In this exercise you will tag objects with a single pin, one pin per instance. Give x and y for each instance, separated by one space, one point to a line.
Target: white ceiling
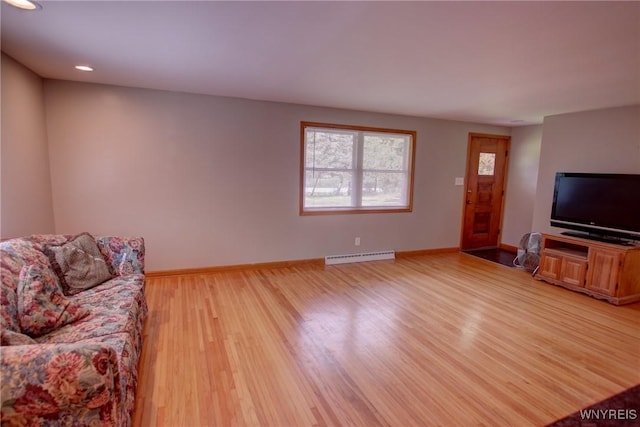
507 63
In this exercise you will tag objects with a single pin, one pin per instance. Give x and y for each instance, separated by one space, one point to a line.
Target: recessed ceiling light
84 68
24 4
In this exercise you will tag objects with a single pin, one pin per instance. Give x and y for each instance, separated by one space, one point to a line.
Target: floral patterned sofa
70 352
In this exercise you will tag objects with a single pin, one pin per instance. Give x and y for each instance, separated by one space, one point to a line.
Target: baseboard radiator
367 256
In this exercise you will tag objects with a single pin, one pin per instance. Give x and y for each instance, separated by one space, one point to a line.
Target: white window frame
357 170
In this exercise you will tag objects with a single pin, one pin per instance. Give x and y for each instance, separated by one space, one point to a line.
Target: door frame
466 183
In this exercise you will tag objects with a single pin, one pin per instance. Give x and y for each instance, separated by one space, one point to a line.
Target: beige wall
602 141
520 196
25 202
214 181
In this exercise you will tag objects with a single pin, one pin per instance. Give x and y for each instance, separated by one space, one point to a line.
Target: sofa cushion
138 280
78 264
112 310
42 307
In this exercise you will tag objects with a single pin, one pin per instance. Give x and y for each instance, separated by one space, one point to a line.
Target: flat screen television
599 206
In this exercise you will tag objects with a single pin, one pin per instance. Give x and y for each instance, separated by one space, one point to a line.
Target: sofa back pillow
124 255
78 264
42 308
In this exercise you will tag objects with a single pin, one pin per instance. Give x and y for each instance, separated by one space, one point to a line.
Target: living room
212 181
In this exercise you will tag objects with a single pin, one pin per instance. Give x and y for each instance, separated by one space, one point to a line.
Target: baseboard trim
421 252
283 264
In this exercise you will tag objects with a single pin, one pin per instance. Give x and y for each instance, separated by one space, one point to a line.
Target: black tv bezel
592 230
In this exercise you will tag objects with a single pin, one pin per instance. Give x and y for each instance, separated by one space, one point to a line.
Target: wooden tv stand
602 270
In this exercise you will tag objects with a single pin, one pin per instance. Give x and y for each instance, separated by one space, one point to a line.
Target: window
352 169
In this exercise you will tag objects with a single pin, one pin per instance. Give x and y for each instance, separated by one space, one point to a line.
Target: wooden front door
484 190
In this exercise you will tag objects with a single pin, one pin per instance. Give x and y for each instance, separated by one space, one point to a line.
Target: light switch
459 180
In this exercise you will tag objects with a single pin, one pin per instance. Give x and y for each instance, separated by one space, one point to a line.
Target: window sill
352 211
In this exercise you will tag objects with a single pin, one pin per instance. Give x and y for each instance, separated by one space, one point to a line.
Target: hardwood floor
433 340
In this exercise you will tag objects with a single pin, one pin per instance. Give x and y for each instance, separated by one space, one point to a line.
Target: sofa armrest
60 382
124 255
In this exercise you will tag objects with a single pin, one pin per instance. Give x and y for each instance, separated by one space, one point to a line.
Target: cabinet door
550 266
604 270
573 271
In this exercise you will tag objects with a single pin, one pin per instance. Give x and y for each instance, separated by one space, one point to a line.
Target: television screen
597 201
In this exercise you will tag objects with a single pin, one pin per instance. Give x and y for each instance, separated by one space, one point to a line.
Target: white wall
522 179
602 141
214 181
25 201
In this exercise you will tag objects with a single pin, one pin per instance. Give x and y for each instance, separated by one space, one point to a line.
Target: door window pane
487 164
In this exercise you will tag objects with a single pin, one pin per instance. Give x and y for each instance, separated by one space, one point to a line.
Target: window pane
328 189
385 152
328 149
487 164
381 189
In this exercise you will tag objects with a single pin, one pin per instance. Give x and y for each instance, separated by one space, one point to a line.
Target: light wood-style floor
443 339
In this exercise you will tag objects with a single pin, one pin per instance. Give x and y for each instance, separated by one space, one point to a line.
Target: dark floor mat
500 256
